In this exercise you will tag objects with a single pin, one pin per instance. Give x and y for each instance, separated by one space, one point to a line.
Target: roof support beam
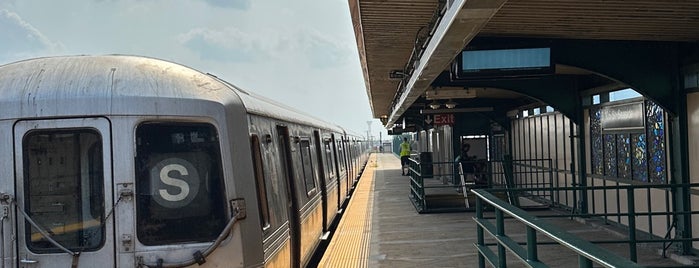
650 68
462 21
559 92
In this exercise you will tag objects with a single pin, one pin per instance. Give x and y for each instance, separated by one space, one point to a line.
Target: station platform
381 228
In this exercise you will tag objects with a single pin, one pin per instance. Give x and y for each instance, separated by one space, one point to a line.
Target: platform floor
381 228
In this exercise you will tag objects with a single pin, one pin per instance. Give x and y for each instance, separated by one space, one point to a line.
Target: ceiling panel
386 29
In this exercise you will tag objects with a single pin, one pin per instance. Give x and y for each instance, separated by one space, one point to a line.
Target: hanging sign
443 119
623 117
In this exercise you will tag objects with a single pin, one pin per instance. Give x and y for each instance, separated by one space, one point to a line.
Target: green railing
449 189
587 252
442 193
417 186
629 214
615 203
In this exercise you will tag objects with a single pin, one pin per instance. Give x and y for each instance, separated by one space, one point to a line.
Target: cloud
236 4
302 46
227 45
324 52
21 38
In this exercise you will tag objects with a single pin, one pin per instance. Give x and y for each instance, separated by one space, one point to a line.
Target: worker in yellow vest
404 155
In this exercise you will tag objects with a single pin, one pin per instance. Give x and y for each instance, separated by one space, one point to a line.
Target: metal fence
445 186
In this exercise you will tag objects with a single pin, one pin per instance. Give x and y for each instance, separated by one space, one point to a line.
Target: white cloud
323 51
236 4
21 38
229 44
307 47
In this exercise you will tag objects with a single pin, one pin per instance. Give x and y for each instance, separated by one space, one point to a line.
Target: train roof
124 85
260 105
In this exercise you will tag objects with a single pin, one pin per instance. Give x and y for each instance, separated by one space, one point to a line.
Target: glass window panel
656 142
624 156
640 165
597 142
179 183
596 99
307 166
623 94
262 204
329 159
610 163
63 186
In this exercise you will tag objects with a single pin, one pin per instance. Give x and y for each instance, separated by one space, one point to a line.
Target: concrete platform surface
381 228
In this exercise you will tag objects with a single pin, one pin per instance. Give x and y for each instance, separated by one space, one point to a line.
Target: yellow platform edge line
349 246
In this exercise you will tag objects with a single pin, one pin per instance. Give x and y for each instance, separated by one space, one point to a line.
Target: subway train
126 161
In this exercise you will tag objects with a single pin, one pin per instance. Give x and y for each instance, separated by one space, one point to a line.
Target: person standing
404 155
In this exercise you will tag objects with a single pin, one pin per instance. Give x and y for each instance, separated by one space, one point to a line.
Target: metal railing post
588 253
584 262
479 232
500 231
532 253
632 223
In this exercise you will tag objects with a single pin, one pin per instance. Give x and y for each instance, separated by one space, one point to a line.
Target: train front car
126 162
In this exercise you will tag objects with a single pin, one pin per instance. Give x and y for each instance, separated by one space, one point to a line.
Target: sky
302 53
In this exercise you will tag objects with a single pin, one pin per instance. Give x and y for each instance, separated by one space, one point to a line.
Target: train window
307 166
260 181
179 183
329 159
63 188
341 153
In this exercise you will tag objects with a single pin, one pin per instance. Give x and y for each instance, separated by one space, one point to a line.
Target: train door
292 202
64 193
350 169
323 178
336 158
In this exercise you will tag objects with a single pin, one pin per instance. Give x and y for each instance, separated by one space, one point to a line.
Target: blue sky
302 53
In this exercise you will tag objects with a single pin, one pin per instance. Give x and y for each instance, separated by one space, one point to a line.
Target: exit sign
443 119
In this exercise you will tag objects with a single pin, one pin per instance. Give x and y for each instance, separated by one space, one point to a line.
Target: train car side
135 162
300 157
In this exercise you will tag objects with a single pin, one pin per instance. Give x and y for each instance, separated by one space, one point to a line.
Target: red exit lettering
443 119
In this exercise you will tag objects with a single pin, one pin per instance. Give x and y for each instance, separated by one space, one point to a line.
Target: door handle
28 261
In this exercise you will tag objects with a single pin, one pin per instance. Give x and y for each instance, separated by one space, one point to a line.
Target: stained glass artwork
596 149
631 155
640 166
610 162
655 127
623 156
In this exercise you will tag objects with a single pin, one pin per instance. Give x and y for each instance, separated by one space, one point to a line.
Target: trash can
426 165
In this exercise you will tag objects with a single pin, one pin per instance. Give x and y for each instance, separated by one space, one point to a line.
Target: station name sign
623 117
511 62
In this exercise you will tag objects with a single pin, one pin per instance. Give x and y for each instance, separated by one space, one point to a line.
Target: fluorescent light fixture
434 105
450 104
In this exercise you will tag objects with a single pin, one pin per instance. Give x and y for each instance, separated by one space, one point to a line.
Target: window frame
27 188
307 141
260 184
216 199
